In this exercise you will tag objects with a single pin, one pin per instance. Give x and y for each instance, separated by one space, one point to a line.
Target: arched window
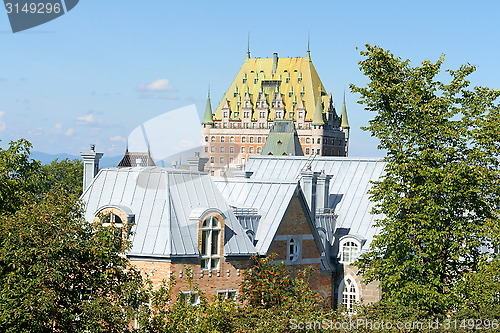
119 219
308 140
210 243
206 139
293 249
212 138
350 251
231 139
349 293
259 150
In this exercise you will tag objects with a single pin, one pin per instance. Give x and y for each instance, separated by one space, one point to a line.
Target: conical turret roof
207 118
318 112
343 116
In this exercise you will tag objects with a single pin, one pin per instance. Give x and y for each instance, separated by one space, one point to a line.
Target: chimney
197 163
309 184
322 192
90 165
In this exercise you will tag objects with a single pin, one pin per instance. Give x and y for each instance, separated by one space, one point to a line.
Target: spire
248 46
308 51
343 116
207 118
318 112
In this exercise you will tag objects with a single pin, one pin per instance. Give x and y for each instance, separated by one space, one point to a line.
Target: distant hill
105 162
112 161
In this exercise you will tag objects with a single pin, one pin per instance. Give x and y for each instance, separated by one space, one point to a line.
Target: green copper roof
318 112
282 140
343 116
207 118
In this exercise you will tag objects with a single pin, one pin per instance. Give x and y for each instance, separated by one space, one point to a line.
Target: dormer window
119 219
210 243
350 250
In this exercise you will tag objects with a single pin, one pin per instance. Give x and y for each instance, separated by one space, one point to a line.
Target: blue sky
96 73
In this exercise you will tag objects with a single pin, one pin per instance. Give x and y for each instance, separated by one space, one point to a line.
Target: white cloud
3 126
157 85
118 138
88 119
69 132
58 126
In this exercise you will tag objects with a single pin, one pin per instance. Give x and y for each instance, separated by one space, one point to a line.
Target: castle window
251 139
301 94
116 219
222 139
259 150
212 173
243 150
228 294
319 140
206 149
191 297
308 140
213 139
318 151
221 160
212 149
206 139
212 159
250 150
231 160
307 151
293 249
236 114
300 126
287 80
340 142
349 294
301 114
243 139
259 139
210 243
222 149
231 150
290 94
231 139
350 251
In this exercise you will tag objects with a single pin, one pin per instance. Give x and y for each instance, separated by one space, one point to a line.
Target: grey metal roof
163 200
271 198
348 192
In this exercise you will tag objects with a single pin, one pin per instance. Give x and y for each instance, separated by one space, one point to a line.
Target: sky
94 74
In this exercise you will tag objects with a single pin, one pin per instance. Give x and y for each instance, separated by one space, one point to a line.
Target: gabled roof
282 140
166 204
134 159
271 198
348 192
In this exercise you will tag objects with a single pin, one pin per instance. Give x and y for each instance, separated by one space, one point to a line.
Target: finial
209 91
92 148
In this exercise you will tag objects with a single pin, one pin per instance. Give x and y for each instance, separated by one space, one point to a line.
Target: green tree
440 194
20 176
59 273
65 174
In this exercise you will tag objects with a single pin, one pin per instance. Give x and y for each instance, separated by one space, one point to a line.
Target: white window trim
298 246
210 256
225 293
341 249
341 291
187 296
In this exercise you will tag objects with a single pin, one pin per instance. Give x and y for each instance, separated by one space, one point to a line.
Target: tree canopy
58 272
439 197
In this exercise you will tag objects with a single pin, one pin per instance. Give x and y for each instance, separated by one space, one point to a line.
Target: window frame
293 256
209 253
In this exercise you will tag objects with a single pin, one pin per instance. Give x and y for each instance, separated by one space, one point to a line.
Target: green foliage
19 176
65 174
59 273
168 315
440 194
